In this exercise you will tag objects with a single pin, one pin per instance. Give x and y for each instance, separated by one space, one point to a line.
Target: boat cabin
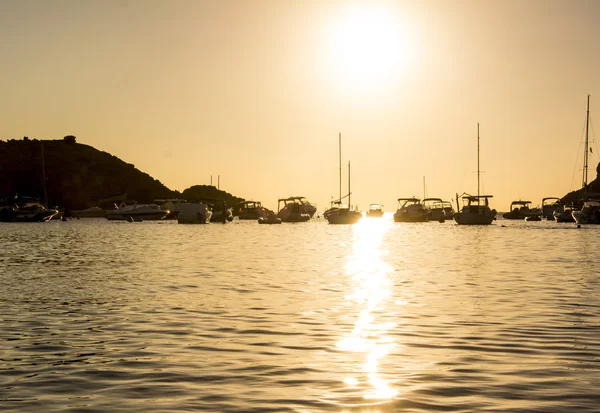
404 203
473 203
519 205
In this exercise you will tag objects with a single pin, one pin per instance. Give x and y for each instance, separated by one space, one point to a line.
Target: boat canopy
375 206
291 199
413 199
432 199
442 204
523 203
475 199
251 204
551 198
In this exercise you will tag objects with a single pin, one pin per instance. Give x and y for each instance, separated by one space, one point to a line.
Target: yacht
340 213
565 214
521 210
293 210
194 213
550 205
30 211
433 208
589 214
343 213
252 210
411 210
92 212
375 211
446 206
576 213
476 208
136 212
475 211
307 207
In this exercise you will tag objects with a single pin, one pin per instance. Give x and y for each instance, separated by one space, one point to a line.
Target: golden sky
257 91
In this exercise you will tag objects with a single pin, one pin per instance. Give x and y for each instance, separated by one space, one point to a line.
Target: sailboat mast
349 203
340 159
477 160
44 176
585 158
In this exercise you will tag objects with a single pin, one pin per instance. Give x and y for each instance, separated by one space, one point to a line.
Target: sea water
99 316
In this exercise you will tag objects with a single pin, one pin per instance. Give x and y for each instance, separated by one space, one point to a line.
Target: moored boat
588 214
521 210
293 210
27 212
92 212
446 207
476 209
151 212
339 213
375 211
194 213
251 210
411 210
433 208
565 214
550 205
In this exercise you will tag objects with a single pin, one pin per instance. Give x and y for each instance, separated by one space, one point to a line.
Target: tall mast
340 158
477 159
424 190
349 204
44 176
585 158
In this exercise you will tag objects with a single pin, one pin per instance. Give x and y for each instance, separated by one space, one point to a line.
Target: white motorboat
136 212
194 214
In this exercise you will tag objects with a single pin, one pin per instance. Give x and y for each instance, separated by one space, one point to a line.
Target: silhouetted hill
209 192
77 176
593 189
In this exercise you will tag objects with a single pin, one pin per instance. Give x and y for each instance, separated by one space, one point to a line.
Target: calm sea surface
98 316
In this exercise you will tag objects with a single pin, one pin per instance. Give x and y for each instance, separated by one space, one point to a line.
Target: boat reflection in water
372 291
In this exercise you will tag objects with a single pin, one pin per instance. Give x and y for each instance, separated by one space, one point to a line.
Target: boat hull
343 217
146 216
466 218
24 215
405 217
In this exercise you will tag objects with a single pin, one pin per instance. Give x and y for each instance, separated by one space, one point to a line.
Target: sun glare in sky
368 46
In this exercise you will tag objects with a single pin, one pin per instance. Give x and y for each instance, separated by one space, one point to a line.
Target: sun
367 45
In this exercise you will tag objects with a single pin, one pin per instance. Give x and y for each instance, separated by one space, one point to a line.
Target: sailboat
476 209
26 209
344 213
340 213
590 212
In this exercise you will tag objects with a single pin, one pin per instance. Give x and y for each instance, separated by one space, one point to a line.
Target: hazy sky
257 91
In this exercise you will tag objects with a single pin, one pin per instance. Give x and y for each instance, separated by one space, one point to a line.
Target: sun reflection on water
372 288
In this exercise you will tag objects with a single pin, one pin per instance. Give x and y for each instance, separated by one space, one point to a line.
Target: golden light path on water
371 293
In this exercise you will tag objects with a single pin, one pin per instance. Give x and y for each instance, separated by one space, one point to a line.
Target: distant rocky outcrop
77 176
593 189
